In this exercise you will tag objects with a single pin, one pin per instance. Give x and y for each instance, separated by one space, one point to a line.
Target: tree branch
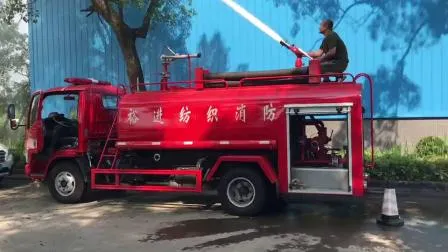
103 9
366 17
399 68
90 10
344 13
120 10
411 41
142 31
346 10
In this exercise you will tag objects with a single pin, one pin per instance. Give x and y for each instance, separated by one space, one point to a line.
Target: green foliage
174 12
135 3
14 84
169 11
431 146
18 150
24 10
397 165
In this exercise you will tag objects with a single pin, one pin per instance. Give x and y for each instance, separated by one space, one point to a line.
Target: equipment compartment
319 148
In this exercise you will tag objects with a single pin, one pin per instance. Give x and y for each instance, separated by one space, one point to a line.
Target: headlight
31 143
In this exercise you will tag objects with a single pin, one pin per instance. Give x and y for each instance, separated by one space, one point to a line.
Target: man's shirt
333 40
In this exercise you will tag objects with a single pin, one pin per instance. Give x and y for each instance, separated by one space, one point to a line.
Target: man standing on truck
332 52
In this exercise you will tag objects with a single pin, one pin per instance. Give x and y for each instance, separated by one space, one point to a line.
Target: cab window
33 110
65 105
110 101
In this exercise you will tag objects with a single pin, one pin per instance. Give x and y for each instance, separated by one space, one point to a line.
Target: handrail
295 77
370 80
175 83
241 82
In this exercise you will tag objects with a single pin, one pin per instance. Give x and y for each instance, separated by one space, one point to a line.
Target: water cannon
165 58
168 59
176 56
292 48
297 51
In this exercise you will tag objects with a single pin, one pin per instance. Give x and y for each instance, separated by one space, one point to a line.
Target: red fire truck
255 137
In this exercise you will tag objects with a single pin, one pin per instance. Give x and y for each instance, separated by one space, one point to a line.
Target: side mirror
13 124
11 112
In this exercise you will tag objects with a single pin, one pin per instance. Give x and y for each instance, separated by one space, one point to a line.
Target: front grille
2 156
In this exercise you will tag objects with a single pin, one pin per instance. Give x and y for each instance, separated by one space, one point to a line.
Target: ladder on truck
111 155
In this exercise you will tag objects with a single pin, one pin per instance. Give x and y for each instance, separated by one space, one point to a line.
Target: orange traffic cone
389 213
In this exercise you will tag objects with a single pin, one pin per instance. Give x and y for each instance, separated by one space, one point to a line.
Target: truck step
152 188
167 187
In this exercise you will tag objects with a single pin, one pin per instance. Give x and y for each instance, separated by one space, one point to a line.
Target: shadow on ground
173 222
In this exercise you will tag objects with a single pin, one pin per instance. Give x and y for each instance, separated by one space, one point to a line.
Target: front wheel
242 192
66 183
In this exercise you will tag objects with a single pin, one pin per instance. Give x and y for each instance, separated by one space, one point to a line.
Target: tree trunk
132 59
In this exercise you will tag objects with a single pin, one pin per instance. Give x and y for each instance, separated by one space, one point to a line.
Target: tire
74 188
247 178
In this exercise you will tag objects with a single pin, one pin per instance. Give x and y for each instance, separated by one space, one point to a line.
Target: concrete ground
31 221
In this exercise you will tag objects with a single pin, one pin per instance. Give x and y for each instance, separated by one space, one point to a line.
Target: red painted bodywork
264 164
201 118
94 122
227 132
226 101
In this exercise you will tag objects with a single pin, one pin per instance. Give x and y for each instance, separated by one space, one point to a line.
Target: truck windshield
64 104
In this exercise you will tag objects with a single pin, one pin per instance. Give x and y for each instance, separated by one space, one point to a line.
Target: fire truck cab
255 137
61 125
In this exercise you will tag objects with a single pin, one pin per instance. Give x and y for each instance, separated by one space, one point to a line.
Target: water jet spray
266 29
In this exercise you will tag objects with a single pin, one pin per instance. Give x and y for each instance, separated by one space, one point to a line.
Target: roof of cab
83 84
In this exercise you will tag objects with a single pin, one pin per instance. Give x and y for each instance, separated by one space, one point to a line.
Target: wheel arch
260 163
80 161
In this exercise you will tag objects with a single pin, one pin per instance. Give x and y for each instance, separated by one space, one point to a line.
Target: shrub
431 146
18 152
396 165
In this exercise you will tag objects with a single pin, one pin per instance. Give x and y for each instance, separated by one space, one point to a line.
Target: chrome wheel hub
241 192
65 183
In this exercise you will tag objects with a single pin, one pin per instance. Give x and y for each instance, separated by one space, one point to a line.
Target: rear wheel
242 192
66 183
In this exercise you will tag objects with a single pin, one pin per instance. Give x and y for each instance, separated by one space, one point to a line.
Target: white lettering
269 112
132 117
184 115
240 114
158 115
212 114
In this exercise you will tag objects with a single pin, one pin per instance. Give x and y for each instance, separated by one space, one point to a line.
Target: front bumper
6 166
5 169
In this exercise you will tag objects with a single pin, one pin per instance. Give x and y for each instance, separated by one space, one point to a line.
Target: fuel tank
254 113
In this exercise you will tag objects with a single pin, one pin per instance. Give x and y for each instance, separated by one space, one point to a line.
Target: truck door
33 135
